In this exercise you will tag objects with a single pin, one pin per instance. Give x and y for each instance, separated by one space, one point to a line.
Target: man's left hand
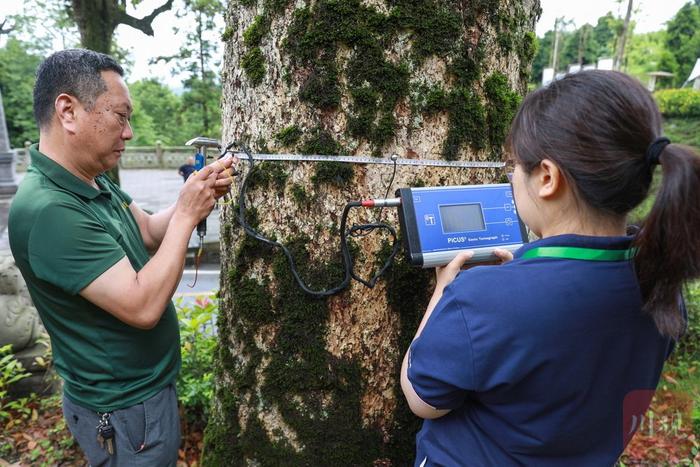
225 177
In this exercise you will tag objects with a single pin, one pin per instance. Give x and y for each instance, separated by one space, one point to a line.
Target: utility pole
555 49
619 56
584 32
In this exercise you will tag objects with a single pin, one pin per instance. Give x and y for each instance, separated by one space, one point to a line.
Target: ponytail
669 242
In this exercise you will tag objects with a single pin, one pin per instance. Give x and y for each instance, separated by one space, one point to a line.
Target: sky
650 15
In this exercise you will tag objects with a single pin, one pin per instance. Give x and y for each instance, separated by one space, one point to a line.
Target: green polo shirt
63 235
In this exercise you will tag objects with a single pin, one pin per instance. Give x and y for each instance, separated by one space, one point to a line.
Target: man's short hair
76 72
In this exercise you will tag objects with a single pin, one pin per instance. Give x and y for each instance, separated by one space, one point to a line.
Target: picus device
439 222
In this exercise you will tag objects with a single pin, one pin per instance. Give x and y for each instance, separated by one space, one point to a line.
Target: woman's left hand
447 273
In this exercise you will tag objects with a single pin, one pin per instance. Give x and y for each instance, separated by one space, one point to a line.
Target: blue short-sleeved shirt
535 358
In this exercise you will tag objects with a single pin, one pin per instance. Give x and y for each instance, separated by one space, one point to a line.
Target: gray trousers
146 434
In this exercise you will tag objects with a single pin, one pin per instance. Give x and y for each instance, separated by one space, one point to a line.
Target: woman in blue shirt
552 357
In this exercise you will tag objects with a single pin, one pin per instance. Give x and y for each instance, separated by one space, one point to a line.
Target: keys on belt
105 433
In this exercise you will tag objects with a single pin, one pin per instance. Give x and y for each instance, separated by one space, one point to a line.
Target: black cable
347 257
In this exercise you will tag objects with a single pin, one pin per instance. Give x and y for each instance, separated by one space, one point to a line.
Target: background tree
162 112
580 47
18 64
543 56
201 100
605 34
305 381
97 21
683 39
646 53
624 32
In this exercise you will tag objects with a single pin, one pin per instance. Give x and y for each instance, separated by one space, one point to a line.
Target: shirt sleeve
440 365
69 248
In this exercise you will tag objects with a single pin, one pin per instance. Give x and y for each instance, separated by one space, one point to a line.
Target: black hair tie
655 149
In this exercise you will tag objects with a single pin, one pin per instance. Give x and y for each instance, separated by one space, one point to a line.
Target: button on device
507 206
429 219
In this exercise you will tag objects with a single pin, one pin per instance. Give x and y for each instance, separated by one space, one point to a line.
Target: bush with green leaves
689 346
11 371
678 102
195 384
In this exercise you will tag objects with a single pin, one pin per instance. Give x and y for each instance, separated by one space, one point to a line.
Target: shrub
195 384
678 102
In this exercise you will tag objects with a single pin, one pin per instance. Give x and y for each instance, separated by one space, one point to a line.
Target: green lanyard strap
585 254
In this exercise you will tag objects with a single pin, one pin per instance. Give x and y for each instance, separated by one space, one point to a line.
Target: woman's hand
447 273
503 255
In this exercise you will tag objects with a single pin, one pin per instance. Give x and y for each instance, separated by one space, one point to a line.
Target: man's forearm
158 280
158 224
139 298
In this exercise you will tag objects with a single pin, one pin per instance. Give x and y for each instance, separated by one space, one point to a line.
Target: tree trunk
303 381
620 53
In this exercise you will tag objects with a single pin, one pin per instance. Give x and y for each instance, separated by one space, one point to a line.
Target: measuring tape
372 160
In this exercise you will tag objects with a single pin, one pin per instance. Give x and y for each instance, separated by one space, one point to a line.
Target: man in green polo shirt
83 246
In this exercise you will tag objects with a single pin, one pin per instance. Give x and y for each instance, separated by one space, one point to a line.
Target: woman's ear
550 179
66 107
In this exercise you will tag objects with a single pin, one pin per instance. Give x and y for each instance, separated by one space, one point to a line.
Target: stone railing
135 157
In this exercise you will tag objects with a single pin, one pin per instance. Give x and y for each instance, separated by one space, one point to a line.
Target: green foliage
253 63
11 371
683 39
683 131
18 63
289 136
678 102
646 53
585 45
195 384
689 346
195 58
157 114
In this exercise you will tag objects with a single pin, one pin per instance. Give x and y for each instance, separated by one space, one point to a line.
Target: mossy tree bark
302 381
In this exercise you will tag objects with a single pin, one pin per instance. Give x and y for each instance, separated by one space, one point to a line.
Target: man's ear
550 179
66 107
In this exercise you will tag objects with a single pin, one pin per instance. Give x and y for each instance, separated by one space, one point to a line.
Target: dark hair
596 127
75 72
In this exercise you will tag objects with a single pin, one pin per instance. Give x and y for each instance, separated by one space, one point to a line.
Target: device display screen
462 218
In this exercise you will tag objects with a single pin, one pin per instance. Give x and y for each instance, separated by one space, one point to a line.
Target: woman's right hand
503 255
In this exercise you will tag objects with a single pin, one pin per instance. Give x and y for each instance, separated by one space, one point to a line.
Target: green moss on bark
288 136
253 63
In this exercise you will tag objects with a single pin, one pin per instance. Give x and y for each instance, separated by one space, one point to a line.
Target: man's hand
225 178
202 189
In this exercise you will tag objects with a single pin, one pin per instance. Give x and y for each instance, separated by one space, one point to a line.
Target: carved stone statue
21 327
